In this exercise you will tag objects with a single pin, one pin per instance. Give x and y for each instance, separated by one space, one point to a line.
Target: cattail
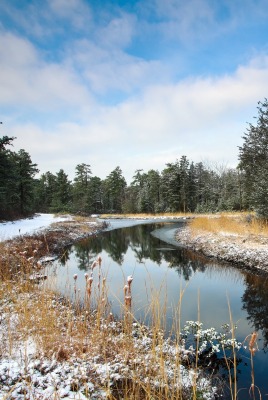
75 277
89 281
252 343
94 264
86 276
99 260
128 301
125 290
129 281
88 290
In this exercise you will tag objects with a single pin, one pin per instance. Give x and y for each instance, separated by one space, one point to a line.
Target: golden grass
64 331
234 223
147 215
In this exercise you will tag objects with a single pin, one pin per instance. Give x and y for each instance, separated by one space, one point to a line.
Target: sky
134 84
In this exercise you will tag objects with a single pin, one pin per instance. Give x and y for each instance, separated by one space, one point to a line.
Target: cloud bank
135 86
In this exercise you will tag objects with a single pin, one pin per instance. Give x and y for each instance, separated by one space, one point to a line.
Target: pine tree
253 156
25 171
8 192
114 191
81 187
95 195
44 190
62 196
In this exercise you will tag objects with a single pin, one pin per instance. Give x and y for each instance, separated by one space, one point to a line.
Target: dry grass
63 332
66 331
234 223
146 215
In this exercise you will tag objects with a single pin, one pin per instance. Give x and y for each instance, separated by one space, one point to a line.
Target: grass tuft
232 223
143 363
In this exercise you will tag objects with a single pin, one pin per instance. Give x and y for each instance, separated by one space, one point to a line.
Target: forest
182 186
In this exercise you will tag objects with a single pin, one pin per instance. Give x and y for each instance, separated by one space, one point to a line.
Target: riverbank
51 348
46 243
246 250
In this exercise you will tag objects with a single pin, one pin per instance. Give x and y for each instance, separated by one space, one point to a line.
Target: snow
250 252
11 229
27 374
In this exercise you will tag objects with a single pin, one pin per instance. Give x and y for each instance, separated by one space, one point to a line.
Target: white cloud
118 31
156 120
77 12
26 80
107 70
201 118
188 21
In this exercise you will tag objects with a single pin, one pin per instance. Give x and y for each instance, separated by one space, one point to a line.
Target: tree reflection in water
255 302
144 246
132 247
185 262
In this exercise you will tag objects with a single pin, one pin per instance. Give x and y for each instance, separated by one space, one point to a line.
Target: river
176 283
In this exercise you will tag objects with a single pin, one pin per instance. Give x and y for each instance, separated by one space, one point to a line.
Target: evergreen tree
114 191
80 188
95 195
134 201
229 196
192 188
208 189
8 192
25 171
45 187
6 141
253 156
154 191
170 183
184 183
62 196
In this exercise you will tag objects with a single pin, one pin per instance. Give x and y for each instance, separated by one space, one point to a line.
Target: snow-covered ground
11 229
25 373
245 250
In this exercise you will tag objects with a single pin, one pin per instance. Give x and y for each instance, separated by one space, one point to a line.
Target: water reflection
163 271
255 301
144 247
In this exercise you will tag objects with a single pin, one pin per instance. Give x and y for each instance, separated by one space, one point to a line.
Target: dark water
165 274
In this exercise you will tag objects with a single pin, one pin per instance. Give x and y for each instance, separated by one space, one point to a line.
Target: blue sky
135 84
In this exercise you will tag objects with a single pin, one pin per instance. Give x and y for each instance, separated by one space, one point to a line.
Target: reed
147 215
236 223
150 364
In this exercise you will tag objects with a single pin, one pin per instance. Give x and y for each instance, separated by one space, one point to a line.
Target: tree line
182 186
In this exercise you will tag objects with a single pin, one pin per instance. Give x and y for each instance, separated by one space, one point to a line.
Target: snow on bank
247 251
27 374
126 222
11 229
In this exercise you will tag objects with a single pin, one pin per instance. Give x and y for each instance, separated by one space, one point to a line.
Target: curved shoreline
71 358
247 252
